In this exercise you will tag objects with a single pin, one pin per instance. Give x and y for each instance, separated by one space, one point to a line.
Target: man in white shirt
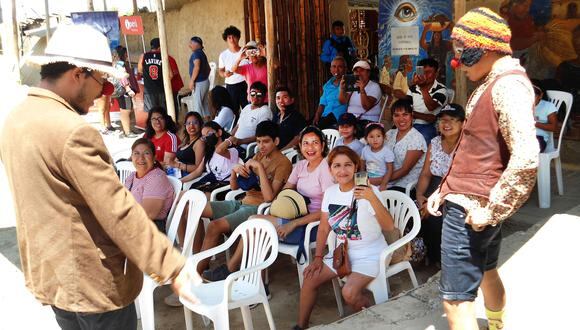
428 96
252 114
235 83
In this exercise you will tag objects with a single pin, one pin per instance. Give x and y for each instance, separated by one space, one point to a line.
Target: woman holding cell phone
254 69
357 214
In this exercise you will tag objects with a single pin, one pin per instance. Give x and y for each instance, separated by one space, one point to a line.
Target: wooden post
10 40
90 5
47 11
165 60
105 5
460 79
135 8
270 48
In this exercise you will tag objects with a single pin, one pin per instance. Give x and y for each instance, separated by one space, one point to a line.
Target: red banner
131 25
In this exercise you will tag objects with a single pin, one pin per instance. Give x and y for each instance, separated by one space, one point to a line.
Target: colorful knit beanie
480 30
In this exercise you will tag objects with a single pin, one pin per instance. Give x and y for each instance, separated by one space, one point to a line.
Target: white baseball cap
362 64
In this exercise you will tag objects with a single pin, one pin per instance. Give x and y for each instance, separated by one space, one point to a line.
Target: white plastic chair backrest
384 99
260 242
291 154
124 154
177 185
450 95
557 98
212 72
124 169
195 201
231 128
402 209
331 136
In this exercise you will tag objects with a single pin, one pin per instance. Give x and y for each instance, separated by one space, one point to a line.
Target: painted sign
131 25
405 41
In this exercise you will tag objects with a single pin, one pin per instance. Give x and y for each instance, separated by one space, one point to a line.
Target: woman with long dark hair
225 114
161 131
190 152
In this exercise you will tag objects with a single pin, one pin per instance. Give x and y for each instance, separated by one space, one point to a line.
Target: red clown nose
108 88
455 63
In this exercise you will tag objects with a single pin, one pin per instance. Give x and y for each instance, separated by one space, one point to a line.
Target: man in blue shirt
330 108
338 45
199 78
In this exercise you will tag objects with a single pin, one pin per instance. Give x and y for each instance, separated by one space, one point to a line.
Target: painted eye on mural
406 12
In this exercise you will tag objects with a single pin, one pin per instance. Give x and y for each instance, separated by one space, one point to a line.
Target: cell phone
361 179
420 71
252 52
350 81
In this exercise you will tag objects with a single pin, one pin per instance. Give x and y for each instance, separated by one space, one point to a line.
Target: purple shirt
311 184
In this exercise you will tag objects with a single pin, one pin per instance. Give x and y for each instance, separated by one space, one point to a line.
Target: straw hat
79 45
289 204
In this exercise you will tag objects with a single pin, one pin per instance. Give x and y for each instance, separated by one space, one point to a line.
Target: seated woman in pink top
255 69
310 177
149 184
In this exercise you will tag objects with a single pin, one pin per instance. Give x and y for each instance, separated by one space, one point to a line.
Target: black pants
238 93
121 319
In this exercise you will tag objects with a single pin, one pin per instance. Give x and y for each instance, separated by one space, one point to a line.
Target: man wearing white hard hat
364 102
83 239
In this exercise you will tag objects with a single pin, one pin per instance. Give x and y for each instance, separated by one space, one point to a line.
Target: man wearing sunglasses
84 241
252 114
492 172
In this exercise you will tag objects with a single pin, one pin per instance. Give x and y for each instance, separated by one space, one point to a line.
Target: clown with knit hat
492 171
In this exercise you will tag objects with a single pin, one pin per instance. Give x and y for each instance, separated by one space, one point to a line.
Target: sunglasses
256 94
191 123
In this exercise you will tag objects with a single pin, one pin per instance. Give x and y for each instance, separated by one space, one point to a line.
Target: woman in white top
437 162
355 213
365 103
222 107
407 144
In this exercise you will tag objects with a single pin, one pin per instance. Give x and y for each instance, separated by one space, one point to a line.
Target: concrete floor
20 311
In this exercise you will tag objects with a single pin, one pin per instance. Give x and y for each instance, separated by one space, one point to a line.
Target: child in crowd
252 114
262 177
218 158
347 130
377 157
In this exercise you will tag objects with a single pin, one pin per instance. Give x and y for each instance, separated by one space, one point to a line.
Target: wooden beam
270 48
460 79
165 61
47 22
10 40
90 5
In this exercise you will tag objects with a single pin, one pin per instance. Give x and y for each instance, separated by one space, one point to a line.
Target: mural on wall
546 39
410 30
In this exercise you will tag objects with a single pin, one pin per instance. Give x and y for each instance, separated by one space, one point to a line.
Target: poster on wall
105 21
431 21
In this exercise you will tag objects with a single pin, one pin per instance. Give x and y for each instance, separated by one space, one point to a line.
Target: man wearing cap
492 172
199 78
330 108
83 239
151 68
364 104
428 97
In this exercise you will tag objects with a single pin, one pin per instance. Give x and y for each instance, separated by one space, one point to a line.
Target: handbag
340 260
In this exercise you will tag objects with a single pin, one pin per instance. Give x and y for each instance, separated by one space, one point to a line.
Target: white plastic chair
552 152
124 169
331 136
121 155
242 288
291 249
195 200
177 185
450 95
251 149
384 99
403 210
212 73
292 155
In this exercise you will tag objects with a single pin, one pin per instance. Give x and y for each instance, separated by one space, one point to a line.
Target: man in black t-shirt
288 117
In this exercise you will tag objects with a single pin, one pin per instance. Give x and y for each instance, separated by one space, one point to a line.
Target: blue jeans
465 254
427 130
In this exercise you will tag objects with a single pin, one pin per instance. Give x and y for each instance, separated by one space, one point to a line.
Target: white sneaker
172 300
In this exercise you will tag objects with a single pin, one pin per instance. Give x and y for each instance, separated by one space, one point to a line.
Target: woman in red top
161 131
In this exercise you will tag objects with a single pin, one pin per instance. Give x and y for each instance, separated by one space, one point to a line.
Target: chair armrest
188 184
215 192
307 231
264 208
233 194
410 187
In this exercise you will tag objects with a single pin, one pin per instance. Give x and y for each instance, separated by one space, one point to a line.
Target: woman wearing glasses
190 152
252 65
161 131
